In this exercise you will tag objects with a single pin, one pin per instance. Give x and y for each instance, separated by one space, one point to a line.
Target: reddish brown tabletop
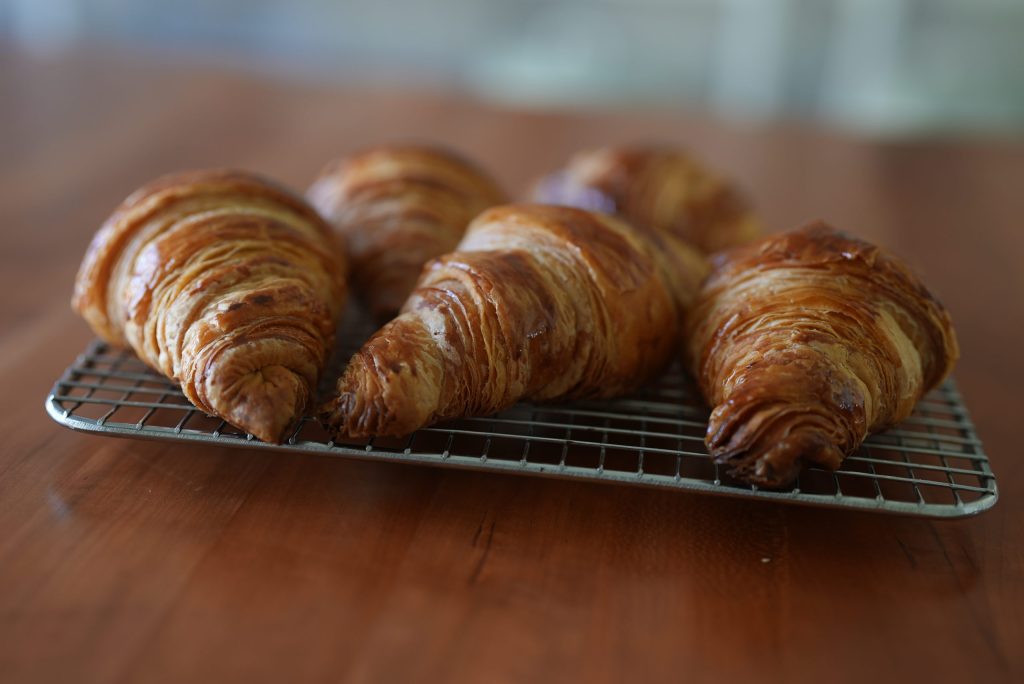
131 561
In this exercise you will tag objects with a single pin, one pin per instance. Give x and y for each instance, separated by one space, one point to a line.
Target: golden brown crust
658 187
537 302
397 207
224 282
806 342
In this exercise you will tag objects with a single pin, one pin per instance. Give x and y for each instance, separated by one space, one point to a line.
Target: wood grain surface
128 562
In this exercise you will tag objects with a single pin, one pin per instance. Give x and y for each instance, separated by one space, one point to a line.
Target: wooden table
128 561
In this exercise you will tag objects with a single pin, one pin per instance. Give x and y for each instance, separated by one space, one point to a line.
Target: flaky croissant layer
658 187
536 303
224 282
397 207
806 342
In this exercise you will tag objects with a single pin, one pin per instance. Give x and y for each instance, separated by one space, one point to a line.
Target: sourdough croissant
538 302
806 342
224 282
398 207
658 187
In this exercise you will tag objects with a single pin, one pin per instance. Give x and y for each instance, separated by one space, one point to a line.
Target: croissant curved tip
335 415
779 465
266 402
356 415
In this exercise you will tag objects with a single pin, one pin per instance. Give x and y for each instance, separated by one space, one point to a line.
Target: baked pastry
398 207
538 302
805 343
660 187
224 282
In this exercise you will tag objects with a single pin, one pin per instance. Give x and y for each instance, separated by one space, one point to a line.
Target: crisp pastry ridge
657 186
806 342
537 302
397 207
225 282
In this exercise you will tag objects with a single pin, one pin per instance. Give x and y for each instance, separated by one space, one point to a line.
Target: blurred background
884 67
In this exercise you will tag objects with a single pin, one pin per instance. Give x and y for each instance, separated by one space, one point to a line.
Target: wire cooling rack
930 465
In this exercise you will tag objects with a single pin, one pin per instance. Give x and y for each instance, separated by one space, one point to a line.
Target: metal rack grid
930 465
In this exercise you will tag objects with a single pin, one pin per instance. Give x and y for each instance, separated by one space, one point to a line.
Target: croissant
398 207
224 282
663 188
537 302
806 342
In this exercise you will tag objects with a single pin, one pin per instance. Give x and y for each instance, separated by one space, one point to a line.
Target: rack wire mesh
931 465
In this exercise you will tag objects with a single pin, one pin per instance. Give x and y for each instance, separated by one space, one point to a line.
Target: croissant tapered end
774 462
807 342
390 387
266 403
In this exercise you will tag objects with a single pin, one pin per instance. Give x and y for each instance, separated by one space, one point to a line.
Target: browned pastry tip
225 282
657 186
805 343
537 302
397 207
